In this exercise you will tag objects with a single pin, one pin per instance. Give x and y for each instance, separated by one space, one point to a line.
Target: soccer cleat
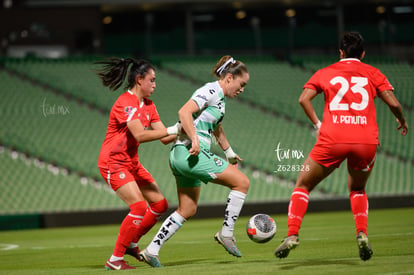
117 265
134 252
287 245
150 259
229 243
365 250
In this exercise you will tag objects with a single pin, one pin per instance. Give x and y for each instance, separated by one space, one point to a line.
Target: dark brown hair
352 44
114 70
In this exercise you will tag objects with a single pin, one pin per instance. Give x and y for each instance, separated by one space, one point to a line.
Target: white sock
115 258
235 202
169 227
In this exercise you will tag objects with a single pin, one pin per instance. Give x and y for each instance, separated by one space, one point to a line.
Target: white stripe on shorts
369 166
108 177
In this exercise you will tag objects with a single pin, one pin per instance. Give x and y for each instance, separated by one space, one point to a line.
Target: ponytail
114 71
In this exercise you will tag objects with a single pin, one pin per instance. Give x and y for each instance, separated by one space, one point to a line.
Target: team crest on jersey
218 162
122 175
128 109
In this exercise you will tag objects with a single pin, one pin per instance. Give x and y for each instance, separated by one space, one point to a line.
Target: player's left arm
224 144
159 125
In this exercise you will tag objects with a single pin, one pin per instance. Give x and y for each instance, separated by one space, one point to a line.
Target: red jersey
120 148
350 87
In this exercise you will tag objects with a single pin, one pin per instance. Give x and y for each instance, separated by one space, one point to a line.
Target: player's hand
195 147
403 127
231 156
235 161
175 129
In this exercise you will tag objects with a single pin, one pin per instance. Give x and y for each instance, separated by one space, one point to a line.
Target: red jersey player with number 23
348 131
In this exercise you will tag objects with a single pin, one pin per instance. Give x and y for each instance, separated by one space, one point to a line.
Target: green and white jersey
211 103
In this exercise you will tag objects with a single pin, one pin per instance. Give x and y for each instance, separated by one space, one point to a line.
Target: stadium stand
401 76
73 77
267 87
46 125
34 186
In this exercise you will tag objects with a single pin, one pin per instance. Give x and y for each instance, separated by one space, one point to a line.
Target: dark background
147 28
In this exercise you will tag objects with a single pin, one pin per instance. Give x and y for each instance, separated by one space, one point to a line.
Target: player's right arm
141 135
186 117
306 104
389 98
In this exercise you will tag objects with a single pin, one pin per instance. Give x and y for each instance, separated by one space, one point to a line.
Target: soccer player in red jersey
130 118
348 131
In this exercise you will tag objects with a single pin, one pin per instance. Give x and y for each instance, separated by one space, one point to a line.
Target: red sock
153 214
297 210
129 227
359 207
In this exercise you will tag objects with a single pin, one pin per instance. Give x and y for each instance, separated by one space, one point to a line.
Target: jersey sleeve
204 97
125 110
313 83
155 117
381 82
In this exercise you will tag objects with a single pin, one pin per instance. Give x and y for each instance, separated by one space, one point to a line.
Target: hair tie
223 67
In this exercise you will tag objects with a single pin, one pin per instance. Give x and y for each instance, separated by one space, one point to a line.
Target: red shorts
359 156
127 174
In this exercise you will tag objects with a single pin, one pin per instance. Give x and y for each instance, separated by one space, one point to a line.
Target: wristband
172 130
175 129
230 155
317 126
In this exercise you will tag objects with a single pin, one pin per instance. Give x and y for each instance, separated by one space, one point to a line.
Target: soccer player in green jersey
192 162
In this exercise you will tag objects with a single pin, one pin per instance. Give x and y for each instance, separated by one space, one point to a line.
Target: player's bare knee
187 212
244 184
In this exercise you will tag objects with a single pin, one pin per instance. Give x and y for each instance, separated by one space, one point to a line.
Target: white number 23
358 87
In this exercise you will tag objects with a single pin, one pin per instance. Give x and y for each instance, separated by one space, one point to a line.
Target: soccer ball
261 228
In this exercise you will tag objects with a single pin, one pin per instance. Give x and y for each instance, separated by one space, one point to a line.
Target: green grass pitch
327 246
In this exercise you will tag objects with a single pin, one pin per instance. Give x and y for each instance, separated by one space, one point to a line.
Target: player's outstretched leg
229 243
150 259
287 245
365 250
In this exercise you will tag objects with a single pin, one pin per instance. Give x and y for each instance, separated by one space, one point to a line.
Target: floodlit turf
327 246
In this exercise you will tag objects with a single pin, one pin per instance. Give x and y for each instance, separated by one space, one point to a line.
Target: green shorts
190 171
